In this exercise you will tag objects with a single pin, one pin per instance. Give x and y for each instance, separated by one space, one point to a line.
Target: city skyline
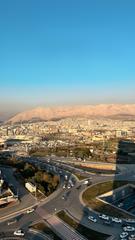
67 119
66 53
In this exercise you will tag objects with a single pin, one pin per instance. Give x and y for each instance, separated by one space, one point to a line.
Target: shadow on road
118 203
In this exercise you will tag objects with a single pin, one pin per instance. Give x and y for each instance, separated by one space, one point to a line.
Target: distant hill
120 111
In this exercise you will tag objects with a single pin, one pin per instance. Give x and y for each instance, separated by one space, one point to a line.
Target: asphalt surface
47 208
26 199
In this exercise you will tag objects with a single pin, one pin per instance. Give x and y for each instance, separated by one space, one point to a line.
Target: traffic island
90 198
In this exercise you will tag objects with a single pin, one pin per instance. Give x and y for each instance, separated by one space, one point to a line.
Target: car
128 229
130 220
132 237
93 219
66 177
103 216
123 235
116 220
19 232
30 210
85 182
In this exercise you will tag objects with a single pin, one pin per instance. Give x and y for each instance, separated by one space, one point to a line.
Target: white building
31 187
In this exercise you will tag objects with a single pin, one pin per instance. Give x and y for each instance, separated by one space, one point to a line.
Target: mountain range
124 111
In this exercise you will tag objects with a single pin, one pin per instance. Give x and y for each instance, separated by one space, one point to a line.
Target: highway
31 235
26 199
55 202
76 209
63 230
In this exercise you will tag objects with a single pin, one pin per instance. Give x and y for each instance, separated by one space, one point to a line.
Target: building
30 187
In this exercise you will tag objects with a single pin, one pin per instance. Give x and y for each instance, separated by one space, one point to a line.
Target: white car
103 216
85 182
117 220
19 233
30 210
123 235
132 237
129 229
130 220
91 218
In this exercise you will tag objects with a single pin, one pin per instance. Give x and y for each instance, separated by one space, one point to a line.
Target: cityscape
67 120
73 175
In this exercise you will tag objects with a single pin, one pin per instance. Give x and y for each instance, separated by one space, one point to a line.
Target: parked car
103 216
123 235
130 220
93 219
132 237
116 220
128 229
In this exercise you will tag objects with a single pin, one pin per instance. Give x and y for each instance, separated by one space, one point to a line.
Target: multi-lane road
26 199
46 209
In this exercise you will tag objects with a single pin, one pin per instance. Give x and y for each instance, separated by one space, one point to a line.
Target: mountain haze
50 113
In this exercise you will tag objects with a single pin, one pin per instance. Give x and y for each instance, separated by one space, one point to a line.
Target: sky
63 52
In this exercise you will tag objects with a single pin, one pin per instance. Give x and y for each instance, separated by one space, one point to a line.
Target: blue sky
66 52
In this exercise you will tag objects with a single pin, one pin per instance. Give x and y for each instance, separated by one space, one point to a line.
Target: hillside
51 113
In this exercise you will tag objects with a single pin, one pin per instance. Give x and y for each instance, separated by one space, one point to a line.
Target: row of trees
78 152
46 182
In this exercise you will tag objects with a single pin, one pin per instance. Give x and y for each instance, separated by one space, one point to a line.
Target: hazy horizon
5 115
